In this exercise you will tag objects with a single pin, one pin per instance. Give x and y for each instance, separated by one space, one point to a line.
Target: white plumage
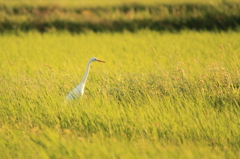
79 90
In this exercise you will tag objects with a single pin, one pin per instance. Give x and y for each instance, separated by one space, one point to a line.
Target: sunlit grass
170 95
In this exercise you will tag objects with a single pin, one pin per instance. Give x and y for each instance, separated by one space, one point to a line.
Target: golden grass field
159 95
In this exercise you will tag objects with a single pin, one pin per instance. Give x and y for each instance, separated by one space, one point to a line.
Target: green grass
113 16
160 95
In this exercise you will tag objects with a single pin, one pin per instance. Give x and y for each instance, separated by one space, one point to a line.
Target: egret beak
100 61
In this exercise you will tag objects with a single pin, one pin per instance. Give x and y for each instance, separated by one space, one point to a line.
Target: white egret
79 90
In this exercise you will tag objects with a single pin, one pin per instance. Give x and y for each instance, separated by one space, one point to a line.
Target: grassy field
116 16
160 95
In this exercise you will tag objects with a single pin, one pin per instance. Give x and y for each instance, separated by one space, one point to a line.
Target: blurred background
119 15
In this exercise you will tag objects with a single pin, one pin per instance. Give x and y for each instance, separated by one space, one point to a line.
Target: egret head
93 59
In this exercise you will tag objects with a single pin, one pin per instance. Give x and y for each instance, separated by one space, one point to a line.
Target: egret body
79 90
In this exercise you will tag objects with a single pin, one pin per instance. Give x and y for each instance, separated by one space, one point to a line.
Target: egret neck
84 79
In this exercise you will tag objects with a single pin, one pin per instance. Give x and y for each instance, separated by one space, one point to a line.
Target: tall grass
83 16
160 95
